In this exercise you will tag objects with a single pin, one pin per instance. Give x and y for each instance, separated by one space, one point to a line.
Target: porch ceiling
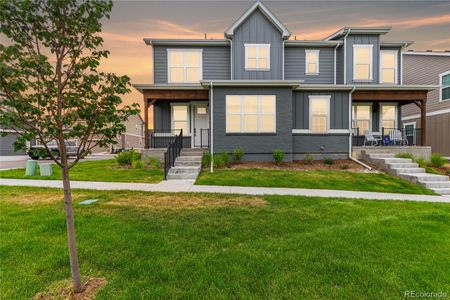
151 95
390 95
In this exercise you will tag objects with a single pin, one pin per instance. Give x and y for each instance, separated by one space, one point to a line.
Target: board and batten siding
257 29
425 69
363 39
216 62
294 65
338 109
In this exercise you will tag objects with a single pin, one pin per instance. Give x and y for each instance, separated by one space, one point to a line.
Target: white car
36 151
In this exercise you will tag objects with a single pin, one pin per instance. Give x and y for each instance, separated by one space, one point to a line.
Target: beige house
430 68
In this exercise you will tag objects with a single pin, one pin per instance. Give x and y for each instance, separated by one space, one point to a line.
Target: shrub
238 153
422 162
430 170
225 158
278 156
448 172
153 162
344 167
405 155
206 159
328 161
437 160
308 158
127 157
138 164
218 161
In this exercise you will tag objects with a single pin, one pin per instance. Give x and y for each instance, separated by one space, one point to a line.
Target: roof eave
361 30
287 83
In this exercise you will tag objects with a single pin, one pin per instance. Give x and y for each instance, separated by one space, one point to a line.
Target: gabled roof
361 30
258 5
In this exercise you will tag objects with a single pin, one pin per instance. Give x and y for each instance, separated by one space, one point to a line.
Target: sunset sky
427 23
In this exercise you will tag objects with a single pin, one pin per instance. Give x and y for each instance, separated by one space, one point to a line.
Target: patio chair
397 136
371 138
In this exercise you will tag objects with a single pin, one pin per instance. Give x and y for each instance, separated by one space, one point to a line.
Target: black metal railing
160 138
172 152
388 137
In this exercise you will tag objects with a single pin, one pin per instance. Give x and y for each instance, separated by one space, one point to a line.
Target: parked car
38 151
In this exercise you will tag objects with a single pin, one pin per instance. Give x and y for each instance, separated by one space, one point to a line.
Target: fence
172 152
388 137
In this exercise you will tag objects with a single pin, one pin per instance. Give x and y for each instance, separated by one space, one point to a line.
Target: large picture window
184 65
361 117
312 62
388 69
250 114
319 114
180 117
362 62
444 90
257 57
388 116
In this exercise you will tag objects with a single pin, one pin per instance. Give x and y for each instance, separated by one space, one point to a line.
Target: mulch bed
338 165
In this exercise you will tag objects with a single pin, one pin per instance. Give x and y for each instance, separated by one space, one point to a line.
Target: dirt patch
177 201
339 164
42 196
64 290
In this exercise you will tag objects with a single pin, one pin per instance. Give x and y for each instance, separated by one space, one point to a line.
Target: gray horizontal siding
216 62
320 143
338 109
294 65
257 29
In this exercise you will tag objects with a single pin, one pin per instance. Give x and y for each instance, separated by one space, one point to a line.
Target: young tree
51 88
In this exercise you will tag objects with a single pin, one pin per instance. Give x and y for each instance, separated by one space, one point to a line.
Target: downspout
282 60
211 146
350 132
231 57
345 56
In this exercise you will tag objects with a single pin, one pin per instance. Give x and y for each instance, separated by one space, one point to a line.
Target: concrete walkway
188 186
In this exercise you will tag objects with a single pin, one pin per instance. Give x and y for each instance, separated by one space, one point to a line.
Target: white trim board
441 76
429 114
427 53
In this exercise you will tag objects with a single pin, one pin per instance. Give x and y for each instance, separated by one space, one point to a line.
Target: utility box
46 169
31 167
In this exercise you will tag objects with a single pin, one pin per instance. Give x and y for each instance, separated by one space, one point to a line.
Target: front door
410 133
201 126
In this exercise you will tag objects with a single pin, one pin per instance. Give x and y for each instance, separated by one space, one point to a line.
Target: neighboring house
259 90
430 68
7 142
133 138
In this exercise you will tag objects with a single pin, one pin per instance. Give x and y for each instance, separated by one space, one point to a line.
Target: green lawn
96 170
322 179
223 246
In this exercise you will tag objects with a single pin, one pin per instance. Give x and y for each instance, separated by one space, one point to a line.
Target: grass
97 170
156 246
320 179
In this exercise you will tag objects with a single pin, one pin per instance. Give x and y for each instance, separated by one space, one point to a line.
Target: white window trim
172 104
395 70
370 46
184 50
396 125
441 76
257 57
258 114
328 98
316 62
370 115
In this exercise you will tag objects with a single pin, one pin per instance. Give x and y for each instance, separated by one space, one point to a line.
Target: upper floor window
319 114
250 114
388 66
312 62
444 91
184 65
257 57
362 62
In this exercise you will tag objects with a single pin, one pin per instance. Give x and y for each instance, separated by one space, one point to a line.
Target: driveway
19 161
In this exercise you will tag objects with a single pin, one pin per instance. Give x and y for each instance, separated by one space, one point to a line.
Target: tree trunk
74 268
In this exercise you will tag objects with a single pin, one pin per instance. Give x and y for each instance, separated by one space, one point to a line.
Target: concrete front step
191 153
189 158
424 177
179 176
408 170
187 163
444 191
184 169
437 184
392 160
381 155
403 165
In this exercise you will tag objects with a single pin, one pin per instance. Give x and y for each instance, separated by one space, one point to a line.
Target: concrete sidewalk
188 186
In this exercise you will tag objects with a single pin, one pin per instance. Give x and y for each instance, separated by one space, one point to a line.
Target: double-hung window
312 62
184 65
362 62
319 114
444 82
388 116
257 57
250 114
388 66
361 117
180 117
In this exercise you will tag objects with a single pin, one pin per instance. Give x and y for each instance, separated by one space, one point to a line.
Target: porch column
146 140
423 122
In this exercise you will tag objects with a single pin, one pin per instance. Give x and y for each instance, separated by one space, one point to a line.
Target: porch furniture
371 137
397 136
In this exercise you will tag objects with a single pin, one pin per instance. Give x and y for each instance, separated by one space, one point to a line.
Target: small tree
51 88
